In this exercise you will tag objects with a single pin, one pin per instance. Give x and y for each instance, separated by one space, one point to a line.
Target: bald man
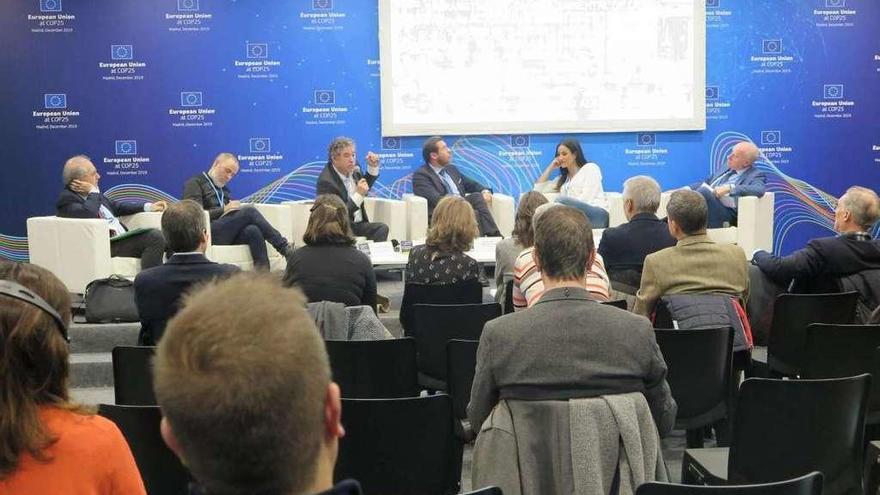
81 198
741 178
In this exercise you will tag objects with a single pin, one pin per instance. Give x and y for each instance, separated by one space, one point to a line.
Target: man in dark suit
81 198
231 222
438 177
624 248
158 291
741 178
567 345
342 177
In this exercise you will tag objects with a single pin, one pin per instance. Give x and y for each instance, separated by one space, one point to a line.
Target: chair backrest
133 375
785 428
835 351
699 363
508 297
160 469
808 484
462 293
617 303
400 445
791 315
436 324
461 361
374 369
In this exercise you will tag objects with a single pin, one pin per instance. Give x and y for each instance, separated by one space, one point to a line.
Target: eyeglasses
21 293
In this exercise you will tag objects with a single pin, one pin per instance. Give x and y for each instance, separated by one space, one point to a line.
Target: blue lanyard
218 193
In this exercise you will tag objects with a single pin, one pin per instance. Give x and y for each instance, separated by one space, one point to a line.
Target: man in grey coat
567 345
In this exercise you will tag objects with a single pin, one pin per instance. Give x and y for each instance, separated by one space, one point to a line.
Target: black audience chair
617 303
785 428
469 292
791 315
436 324
808 484
133 375
401 446
508 297
461 360
374 369
161 470
700 371
489 490
835 351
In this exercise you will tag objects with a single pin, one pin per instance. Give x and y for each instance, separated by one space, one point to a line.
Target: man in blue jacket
740 179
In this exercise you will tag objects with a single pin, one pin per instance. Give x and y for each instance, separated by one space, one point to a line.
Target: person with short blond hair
246 394
442 259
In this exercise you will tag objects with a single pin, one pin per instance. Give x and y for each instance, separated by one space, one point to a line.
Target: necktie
724 178
451 188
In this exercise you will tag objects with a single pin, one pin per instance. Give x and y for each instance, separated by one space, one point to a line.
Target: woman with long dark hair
579 183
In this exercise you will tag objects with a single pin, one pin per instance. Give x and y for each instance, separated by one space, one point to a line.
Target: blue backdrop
153 90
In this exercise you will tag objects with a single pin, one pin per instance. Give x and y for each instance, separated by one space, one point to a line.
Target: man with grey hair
741 178
158 290
624 247
81 198
695 264
820 265
232 222
342 177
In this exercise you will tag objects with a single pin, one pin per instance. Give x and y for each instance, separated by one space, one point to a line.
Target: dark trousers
485 222
718 213
374 231
148 245
248 226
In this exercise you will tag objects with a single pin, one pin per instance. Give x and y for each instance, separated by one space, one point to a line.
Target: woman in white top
579 183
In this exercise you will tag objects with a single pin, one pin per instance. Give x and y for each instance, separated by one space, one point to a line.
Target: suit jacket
427 184
329 182
157 290
624 247
751 182
202 190
816 266
693 266
72 205
568 346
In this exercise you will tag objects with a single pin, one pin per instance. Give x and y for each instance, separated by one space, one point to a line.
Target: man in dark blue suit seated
740 179
438 177
624 248
158 291
81 198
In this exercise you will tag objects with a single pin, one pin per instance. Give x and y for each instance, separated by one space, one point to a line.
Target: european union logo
257 50
121 52
646 139
771 137
322 4
771 47
187 5
520 141
260 145
55 100
711 92
190 98
50 5
835 3
832 91
390 143
713 4
126 147
325 97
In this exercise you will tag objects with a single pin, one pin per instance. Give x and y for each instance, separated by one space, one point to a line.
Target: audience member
528 283
231 221
158 290
438 177
741 178
695 264
49 444
81 198
624 247
342 176
246 394
568 346
579 183
442 259
329 267
523 237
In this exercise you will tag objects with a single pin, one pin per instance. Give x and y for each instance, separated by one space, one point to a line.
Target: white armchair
77 250
503 211
391 212
280 217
